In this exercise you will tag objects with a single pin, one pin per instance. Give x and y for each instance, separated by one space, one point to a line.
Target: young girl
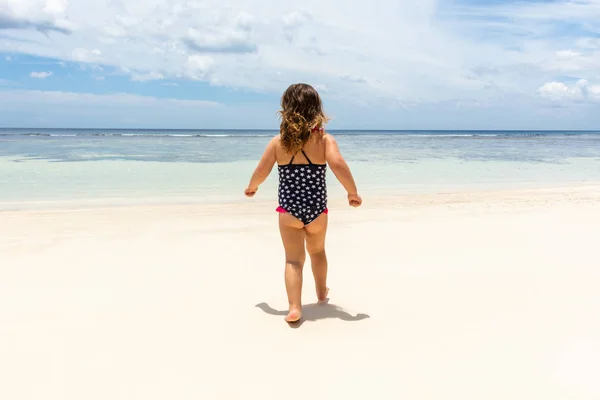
302 151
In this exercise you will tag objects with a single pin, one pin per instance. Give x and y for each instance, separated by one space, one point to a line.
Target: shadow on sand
315 312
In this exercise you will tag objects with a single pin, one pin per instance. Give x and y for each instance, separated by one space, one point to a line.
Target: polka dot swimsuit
303 190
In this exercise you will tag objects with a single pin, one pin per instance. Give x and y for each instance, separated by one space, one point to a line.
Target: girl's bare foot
324 297
293 316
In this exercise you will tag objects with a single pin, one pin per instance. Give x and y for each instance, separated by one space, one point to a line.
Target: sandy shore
449 296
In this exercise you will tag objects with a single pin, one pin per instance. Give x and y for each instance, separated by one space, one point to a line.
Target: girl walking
302 151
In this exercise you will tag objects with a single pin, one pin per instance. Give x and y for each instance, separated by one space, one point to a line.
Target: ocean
50 165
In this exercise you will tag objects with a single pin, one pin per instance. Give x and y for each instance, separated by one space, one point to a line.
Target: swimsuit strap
305 156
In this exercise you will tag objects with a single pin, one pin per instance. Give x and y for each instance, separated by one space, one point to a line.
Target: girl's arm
338 165
263 169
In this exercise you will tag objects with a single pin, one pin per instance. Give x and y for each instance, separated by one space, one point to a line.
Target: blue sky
400 64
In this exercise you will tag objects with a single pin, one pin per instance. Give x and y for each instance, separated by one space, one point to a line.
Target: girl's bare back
314 149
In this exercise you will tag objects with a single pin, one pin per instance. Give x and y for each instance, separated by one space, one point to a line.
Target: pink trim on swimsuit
283 211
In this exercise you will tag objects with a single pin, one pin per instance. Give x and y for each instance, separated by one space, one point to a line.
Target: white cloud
198 67
567 53
580 91
222 42
295 19
401 52
559 91
292 22
150 76
40 75
242 43
8 58
232 33
571 61
55 7
85 55
41 15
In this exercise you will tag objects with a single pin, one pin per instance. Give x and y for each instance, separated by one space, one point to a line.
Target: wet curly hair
302 111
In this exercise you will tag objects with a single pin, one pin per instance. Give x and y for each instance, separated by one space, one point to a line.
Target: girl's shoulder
328 138
275 143
276 140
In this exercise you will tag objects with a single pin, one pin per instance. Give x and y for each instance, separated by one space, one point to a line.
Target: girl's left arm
263 169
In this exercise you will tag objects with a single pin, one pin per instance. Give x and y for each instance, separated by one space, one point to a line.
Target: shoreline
463 195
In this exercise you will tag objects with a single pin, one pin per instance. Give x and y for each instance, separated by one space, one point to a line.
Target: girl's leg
315 245
292 235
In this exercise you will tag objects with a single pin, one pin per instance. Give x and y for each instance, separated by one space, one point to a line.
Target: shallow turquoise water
214 166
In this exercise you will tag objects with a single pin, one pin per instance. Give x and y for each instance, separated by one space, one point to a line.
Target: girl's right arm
341 170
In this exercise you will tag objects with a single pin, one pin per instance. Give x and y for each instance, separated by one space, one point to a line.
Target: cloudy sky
382 64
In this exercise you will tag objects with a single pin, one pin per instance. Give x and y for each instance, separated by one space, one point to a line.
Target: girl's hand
250 192
354 200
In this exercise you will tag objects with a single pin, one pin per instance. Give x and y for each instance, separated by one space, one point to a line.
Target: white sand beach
487 295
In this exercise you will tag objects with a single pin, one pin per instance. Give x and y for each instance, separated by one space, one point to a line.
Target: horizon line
330 130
